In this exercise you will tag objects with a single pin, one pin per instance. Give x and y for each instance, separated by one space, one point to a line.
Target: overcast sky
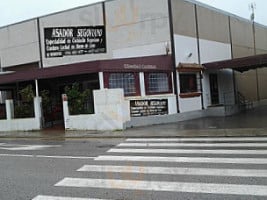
13 11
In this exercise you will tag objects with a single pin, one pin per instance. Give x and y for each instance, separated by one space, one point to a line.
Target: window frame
190 93
169 76
136 81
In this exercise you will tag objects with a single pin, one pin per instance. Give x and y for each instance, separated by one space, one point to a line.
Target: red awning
150 63
240 64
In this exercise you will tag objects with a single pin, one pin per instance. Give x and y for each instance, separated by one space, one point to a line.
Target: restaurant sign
71 41
140 108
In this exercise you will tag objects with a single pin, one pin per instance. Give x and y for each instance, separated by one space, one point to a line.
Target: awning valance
189 67
240 64
139 64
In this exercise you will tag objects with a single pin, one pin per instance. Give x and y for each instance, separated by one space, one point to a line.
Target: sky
13 11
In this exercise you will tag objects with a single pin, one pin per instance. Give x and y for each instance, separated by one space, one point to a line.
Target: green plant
46 101
27 94
24 108
78 100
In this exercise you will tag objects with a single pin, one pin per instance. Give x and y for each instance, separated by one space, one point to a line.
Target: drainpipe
199 59
173 54
255 53
40 44
232 56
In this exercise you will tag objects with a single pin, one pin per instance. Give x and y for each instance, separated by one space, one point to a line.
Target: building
156 55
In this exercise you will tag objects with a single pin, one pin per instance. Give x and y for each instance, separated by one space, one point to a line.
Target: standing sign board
140 108
71 41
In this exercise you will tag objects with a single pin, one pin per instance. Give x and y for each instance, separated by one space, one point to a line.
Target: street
134 168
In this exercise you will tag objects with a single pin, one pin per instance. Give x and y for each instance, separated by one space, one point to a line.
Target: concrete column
9 109
142 84
101 80
66 113
36 88
37 107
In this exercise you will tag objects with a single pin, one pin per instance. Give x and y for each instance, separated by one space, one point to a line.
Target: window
157 83
188 83
128 81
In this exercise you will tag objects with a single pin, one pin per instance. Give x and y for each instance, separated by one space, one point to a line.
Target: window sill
190 94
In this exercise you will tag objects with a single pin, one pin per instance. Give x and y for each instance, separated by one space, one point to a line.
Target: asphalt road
225 168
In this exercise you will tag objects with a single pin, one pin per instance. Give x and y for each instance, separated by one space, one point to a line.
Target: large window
188 83
157 83
129 82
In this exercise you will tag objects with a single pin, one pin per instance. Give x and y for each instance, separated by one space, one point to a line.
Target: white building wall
134 29
19 44
211 51
185 46
91 15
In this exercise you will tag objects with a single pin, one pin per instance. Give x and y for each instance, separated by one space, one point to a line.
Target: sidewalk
250 123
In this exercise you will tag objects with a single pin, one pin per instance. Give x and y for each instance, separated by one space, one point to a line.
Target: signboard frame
74 40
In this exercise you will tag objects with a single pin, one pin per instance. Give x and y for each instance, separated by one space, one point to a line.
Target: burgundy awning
240 64
150 63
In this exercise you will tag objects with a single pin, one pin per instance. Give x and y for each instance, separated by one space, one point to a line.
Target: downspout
232 56
173 55
40 44
199 59
255 53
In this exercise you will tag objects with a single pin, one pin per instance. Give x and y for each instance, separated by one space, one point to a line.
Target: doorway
214 89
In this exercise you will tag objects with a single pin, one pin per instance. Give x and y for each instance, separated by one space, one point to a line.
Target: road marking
183 159
44 156
18 147
189 151
42 197
234 189
16 155
175 171
201 139
192 145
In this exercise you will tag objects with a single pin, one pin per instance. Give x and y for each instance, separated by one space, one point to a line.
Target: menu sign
140 108
71 41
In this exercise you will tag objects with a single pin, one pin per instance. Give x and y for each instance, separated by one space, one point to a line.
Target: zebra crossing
222 167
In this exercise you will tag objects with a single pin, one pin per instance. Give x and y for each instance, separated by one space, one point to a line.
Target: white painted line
16 147
207 188
42 197
201 139
175 171
192 145
16 155
44 156
189 151
183 159
66 157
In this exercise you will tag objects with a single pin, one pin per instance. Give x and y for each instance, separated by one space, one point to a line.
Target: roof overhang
189 67
143 64
240 64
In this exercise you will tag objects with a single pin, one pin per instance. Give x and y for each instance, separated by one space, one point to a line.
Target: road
130 169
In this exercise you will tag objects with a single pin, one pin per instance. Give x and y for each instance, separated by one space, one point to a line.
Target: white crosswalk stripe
202 139
247 157
174 170
165 186
188 151
43 197
192 145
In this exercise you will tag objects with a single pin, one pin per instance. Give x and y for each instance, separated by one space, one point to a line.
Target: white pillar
9 109
36 88
101 80
142 84
66 113
38 107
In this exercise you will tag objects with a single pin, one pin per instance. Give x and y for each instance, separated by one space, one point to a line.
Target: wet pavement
249 123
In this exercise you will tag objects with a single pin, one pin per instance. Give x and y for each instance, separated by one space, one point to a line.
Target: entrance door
214 90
